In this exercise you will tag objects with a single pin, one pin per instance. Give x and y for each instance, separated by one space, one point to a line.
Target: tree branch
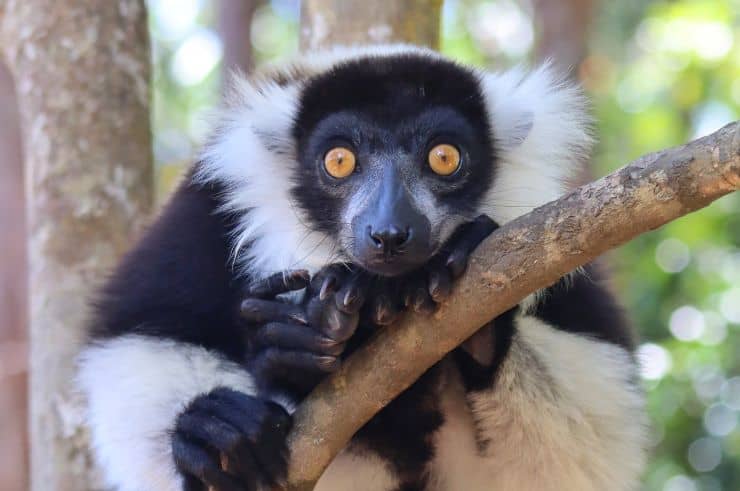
525 255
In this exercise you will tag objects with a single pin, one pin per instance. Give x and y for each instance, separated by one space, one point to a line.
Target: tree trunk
13 331
235 29
330 22
562 31
82 77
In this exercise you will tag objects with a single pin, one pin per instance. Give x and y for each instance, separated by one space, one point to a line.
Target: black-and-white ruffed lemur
335 193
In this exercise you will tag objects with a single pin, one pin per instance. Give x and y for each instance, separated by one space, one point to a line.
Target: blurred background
659 72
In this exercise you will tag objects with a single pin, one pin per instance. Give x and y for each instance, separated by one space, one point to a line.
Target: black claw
440 285
352 297
328 287
328 363
384 311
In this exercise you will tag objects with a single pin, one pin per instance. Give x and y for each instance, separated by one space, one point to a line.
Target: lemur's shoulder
583 303
176 281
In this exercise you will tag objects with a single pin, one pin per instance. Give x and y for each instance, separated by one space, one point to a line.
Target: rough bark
235 29
562 31
82 77
13 332
331 22
527 254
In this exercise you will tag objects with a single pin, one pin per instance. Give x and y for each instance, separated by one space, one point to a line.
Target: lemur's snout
392 235
391 239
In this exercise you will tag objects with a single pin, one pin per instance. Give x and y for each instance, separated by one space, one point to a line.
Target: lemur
334 193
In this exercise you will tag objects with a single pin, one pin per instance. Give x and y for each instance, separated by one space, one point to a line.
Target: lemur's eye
339 162
444 159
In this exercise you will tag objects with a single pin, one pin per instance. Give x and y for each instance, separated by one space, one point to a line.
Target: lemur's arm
165 331
172 372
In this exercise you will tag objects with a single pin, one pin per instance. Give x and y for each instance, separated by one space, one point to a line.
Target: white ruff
541 128
135 387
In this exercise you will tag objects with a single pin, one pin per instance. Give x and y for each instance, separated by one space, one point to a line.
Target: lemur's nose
390 239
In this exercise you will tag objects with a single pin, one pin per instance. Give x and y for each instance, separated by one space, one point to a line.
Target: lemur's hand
293 346
250 432
424 289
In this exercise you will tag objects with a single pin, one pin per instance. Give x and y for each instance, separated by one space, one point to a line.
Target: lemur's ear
541 129
541 106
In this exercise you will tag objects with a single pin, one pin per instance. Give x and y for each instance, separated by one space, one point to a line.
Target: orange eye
444 159
339 162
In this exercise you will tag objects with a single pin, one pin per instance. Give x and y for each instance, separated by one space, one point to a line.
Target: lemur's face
393 155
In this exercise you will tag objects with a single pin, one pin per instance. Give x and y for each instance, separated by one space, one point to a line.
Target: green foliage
674 76
660 72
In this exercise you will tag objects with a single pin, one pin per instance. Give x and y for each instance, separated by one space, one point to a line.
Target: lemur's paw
423 290
230 441
293 346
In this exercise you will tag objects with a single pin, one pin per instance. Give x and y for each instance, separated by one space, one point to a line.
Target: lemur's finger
240 410
258 311
299 338
192 460
327 280
465 240
384 310
421 301
211 430
440 284
328 287
278 283
336 324
352 295
275 361
331 322
457 263
265 427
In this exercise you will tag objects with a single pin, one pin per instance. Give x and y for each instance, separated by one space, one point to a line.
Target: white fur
565 414
541 126
258 176
136 386
357 471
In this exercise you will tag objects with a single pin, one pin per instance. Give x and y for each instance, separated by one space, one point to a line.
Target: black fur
249 431
177 282
583 304
477 376
402 432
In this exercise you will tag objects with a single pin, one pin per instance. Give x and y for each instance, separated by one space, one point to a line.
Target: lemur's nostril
389 239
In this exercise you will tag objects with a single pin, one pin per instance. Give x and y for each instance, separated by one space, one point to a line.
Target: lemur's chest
428 427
